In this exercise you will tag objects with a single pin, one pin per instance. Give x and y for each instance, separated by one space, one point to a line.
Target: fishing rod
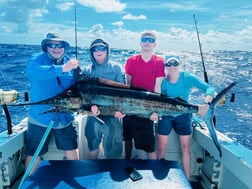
202 60
232 98
75 32
77 72
201 54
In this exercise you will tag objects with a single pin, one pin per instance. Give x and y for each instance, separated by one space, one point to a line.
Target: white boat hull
232 170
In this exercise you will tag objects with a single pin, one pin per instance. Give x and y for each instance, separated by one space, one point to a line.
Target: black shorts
65 138
141 130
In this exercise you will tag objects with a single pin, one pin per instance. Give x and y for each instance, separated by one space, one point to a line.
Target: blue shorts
65 138
181 124
110 133
142 130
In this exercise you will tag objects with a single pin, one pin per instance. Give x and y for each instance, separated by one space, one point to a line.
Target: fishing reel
12 96
8 96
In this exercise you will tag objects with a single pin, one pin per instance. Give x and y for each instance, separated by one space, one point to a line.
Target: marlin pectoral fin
209 116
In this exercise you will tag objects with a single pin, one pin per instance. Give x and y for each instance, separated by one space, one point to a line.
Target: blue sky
223 25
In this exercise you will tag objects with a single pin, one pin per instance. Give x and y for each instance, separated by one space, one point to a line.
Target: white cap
169 58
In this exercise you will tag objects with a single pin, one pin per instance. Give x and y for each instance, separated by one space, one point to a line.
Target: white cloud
104 5
119 23
65 6
96 28
23 22
132 17
21 13
97 31
38 13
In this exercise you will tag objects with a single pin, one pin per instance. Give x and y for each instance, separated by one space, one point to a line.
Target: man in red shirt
146 71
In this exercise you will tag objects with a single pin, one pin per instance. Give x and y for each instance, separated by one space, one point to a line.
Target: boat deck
107 173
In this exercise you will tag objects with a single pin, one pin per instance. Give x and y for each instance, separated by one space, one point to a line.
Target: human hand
202 109
95 110
154 117
119 115
70 65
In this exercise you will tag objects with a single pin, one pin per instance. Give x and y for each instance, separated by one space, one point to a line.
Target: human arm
40 67
158 82
160 74
120 74
202 109
154 117
208 89
208 99
209 94
157 89
119 114
128 79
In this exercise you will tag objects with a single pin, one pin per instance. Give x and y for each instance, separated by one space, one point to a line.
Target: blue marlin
115 97
111 96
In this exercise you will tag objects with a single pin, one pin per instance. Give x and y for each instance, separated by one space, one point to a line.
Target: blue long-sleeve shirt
182 88
46 81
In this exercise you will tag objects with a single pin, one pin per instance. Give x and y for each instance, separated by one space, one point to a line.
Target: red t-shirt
143 73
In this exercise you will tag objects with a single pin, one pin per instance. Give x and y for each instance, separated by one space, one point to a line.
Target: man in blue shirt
50 73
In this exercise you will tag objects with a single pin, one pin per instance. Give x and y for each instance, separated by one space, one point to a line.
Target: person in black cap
111 129
50 72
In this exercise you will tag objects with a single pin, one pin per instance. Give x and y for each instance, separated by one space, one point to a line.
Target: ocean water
223 67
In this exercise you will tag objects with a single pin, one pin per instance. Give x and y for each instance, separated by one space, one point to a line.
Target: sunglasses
99 48
174 63
54 45
145 39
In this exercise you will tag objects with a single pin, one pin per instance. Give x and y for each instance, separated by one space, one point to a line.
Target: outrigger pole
201 54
